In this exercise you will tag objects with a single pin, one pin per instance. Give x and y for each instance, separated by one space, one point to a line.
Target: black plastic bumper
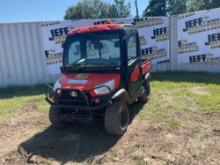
71 104
103 105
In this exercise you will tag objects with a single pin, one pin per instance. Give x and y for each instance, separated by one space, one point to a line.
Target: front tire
117 118
55 117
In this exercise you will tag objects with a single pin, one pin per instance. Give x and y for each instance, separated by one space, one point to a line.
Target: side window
132 47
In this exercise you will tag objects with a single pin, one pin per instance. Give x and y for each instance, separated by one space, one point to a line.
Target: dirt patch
28 138
199 91
18 128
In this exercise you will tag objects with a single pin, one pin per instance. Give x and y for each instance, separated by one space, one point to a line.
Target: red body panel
95 28
87 81
135 74
146 67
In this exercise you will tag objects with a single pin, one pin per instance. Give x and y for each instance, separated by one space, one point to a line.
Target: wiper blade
72 67
85 67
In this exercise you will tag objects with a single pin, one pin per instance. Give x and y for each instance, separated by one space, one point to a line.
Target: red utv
102 73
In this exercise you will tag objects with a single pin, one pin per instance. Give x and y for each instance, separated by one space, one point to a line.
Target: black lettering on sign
193 23
163 62
185 47
47 53
198 58
147 51
136 20
160 31
58 32
180 43
213 38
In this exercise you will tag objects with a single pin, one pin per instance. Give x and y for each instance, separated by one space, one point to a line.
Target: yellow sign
82 76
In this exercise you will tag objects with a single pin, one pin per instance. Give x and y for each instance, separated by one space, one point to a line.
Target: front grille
67 94
79 100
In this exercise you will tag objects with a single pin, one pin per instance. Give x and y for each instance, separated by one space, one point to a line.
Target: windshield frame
100 68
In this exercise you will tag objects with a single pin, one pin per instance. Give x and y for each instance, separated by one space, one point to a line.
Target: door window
132 47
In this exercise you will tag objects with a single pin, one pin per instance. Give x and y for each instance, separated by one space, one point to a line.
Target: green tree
156 8
195 5
120 9
173 7
176 7
215 3
98 9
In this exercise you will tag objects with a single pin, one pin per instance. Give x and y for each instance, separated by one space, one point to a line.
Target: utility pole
136 6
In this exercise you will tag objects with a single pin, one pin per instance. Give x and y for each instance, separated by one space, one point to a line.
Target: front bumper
84 107
85 103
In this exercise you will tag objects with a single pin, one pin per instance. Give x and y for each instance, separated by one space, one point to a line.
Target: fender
147 76
123 95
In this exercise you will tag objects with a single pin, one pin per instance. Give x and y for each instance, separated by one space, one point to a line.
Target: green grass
139 160
13 99
172 95
176 94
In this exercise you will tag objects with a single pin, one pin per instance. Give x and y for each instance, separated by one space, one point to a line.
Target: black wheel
117 118
145 92
54 117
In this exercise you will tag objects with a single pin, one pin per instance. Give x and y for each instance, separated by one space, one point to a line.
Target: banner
199 37
154 38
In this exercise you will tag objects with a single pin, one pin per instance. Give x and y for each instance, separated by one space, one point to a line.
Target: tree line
98 9
173 7
121 8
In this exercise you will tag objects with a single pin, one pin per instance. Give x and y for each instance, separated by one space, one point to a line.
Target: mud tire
54 117
117 118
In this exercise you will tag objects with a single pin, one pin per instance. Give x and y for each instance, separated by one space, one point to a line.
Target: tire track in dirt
27 139
21 126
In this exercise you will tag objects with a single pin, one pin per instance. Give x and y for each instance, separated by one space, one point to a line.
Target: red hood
87 81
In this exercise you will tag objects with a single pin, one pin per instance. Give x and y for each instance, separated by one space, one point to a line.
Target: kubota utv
102 73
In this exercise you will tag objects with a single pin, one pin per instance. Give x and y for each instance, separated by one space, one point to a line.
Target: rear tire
54 117
145 93
117 118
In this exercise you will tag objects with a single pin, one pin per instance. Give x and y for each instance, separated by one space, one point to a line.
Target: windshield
92 50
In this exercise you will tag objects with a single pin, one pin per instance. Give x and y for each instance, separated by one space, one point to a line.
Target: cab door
134 75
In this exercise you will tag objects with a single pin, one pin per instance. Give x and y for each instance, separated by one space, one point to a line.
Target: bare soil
27 138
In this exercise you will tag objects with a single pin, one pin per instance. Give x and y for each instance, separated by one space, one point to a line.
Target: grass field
180 124
13 99
171 93
182 93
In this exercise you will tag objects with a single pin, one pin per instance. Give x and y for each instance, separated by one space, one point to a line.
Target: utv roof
98 28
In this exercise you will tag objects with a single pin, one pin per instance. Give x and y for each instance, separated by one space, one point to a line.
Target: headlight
102 90
57 85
